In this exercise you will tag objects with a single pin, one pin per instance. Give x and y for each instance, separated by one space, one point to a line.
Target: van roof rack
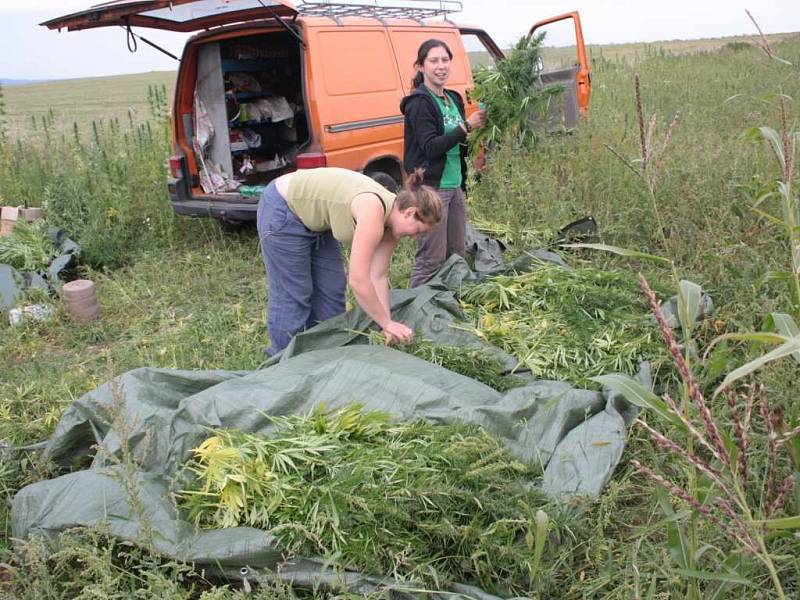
378 9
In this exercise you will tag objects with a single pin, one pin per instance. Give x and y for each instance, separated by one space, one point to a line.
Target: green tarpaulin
577 435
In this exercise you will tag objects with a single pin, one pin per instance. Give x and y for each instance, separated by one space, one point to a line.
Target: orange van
267 87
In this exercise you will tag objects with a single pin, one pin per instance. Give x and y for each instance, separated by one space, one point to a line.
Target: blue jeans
305 275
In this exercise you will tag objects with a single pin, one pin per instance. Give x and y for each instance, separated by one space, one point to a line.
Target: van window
358 62
558 46
477 52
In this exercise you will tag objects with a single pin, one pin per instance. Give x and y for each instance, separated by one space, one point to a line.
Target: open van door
173 15
575 78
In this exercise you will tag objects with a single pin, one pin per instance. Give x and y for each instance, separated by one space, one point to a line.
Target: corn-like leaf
787 349
679 546
689 295
620 251
732 564
784 324
763 198
728 577
785 523
542 524
774 139
760 337
635 393
774 220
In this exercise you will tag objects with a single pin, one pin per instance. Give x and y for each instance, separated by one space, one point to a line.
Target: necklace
444 97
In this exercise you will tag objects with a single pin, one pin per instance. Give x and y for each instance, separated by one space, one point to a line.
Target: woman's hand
477 119
397 332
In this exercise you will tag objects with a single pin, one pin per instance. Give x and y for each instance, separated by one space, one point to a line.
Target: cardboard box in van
267 87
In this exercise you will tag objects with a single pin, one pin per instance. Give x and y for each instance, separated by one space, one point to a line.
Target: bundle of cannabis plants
513 95
424 503
472 362
566 324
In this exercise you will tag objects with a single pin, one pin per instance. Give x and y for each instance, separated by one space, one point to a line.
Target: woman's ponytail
415 180
422 197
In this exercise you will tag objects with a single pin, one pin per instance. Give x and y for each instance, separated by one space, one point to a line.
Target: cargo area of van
249 119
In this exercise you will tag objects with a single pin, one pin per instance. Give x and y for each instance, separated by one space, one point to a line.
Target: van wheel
385 180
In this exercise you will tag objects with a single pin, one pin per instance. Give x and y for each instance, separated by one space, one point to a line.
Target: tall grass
106 185
710 178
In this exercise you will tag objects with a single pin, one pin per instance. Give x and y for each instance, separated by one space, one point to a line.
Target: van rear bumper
227 211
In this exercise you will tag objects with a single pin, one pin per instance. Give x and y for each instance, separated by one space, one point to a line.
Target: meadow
180 293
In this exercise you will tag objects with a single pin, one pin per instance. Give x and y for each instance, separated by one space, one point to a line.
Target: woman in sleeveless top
304 216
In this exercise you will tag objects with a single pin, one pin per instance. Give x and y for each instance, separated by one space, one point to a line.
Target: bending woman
435 134
302 219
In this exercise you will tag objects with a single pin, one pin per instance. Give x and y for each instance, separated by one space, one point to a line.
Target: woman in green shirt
302 219
435 133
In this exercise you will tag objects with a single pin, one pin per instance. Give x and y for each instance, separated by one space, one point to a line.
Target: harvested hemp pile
566 324
475 363
421 502
27 248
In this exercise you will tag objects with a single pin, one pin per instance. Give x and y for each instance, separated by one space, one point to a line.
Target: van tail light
311 160
176 166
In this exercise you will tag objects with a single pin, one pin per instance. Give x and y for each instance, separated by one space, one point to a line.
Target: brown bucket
80 300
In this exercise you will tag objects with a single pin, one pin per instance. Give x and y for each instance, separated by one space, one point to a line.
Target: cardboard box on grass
9 215
8 218
30 214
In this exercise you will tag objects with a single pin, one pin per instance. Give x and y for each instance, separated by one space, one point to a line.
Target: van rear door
574 77
172 15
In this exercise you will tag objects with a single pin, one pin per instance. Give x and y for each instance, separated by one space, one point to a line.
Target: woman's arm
379 270
369 260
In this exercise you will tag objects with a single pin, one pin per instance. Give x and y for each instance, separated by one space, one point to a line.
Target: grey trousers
447 239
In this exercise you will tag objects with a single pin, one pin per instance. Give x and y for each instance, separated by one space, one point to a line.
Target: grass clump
84 563
27 248
566 324
421 502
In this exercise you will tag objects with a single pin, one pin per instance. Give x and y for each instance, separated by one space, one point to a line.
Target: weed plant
421 502
92 564
514 97
27 248
566 324
475 363
108 189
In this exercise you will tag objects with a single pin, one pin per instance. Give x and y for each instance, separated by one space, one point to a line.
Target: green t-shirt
321 199
451 176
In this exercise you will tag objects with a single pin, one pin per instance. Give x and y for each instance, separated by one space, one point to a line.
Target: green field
180 293
81 100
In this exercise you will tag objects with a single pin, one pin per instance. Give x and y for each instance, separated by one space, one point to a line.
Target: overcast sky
28 51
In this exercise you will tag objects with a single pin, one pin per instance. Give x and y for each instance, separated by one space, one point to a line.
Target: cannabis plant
513 94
